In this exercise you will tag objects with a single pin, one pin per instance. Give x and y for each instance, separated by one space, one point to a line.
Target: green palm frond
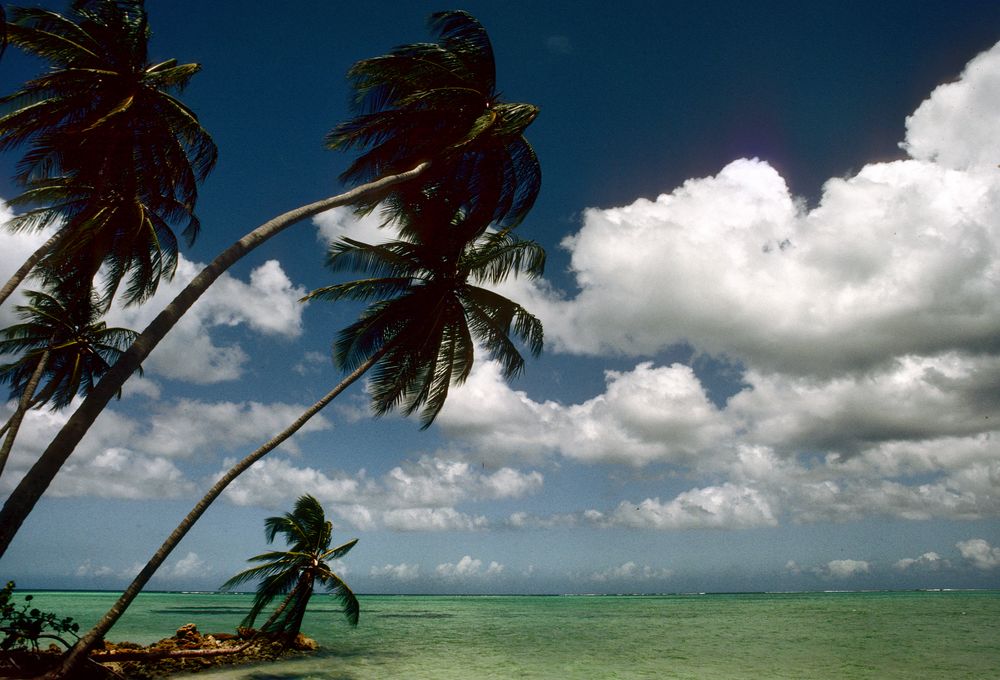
269 588
362 289
275 563
397 258
493 319
498 255
339 551
287 618
340 590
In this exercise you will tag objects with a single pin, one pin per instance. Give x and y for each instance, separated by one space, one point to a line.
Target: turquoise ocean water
814 636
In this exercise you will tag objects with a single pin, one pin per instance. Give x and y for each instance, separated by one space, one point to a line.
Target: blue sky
770 308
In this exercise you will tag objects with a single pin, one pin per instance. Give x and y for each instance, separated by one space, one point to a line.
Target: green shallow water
813 636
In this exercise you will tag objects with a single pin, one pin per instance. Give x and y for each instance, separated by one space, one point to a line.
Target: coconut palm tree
425 314
21 501
293 573
102 127
64 350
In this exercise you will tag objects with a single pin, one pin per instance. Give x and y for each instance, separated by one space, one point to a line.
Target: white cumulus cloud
191 565
979 553
845 568
414 496
630 571
267 304
468 567
952 127
929 561
396 572
720 507
650 414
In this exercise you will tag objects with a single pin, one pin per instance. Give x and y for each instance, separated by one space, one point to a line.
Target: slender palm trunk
83 646
305 580
298 613
23 404
21 501
29 264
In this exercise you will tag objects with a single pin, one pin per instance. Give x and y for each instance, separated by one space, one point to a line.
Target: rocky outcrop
188 650
185 652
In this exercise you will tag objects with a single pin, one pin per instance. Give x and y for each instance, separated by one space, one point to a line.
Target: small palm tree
294 573
110 151
64 350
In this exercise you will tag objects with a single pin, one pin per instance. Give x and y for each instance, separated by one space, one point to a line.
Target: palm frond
340 590
499 255
339 551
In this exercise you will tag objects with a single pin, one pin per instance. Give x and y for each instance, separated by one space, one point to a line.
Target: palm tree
422 322
110 149
21 501
293 573
65 348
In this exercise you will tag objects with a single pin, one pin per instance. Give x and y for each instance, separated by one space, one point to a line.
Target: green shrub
22 627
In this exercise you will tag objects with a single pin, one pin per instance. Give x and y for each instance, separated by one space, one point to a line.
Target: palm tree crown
68 335
293 572
112 155
426 314
438 102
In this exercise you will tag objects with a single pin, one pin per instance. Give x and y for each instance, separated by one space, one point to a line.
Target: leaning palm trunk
294 619
34 484
83 646
23 404
298 597
29 264
284 605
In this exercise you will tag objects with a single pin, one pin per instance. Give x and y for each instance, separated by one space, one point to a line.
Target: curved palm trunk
83 646
299 612
302 590
23 404
29 264
21 501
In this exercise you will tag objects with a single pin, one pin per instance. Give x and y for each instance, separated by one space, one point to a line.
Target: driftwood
157 654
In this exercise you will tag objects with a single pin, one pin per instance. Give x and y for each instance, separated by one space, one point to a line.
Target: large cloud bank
867 329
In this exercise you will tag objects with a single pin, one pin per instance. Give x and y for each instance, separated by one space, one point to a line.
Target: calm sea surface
813 636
